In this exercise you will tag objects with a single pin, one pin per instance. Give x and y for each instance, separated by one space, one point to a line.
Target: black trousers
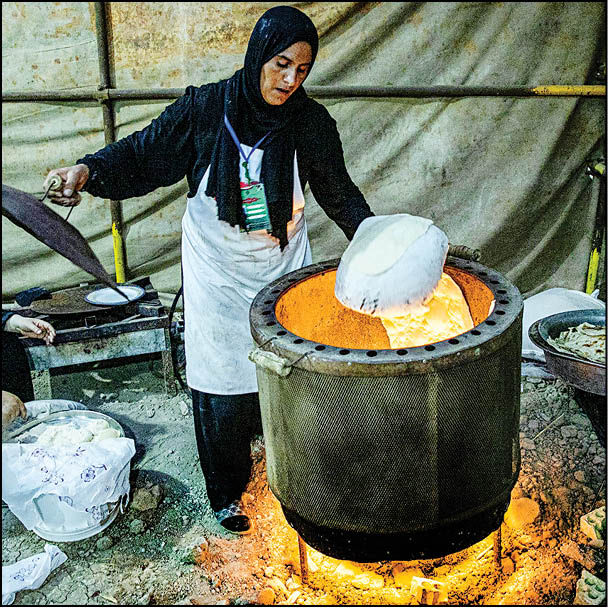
224 426
16 376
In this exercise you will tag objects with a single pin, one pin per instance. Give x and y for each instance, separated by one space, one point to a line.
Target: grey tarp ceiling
505 175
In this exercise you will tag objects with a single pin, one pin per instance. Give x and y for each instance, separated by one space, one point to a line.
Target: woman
257 127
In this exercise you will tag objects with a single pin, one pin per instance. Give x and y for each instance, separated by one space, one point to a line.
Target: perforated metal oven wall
393 454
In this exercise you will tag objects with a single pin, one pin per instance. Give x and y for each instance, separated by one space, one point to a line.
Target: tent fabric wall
505 175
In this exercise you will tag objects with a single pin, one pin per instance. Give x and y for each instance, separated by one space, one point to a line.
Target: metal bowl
59 521
581 373
29 433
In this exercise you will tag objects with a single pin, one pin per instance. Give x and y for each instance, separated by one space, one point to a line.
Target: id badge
255 207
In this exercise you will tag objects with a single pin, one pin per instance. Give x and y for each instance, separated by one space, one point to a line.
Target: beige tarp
505 175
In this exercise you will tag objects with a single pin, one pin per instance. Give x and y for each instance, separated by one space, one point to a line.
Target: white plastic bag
30 573
85 476
550 302
41 408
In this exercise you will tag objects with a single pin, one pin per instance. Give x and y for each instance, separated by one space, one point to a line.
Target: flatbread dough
585 341
70 434
392 265
445 315
65 434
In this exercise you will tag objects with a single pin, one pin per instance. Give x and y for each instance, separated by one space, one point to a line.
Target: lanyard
238 144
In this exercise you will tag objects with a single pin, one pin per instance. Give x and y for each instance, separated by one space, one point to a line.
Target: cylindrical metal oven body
391 454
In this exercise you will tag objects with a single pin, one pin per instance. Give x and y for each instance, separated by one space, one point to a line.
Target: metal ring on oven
500 326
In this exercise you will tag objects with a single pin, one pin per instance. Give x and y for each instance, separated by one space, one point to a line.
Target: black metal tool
50 228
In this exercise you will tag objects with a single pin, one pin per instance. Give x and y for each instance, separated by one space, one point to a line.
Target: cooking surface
67 302
309 309
67 310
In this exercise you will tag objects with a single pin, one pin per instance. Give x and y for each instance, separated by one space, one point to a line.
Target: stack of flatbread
585 341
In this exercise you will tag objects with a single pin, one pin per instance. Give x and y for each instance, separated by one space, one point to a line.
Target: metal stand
73 349
498 547
85 335
41 383
303 560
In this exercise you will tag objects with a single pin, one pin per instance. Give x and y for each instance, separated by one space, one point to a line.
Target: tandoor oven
384 454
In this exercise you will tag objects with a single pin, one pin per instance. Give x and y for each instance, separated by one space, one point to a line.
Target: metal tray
29 432
108 297
581 373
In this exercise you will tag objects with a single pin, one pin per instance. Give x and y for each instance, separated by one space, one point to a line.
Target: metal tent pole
597 169
303 553
105 85
106 95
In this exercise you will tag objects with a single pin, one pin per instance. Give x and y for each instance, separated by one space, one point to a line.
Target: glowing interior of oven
310 310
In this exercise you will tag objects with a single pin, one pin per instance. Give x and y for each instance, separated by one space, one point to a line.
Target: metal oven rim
491 334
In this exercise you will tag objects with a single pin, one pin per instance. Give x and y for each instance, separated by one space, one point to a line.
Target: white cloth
41 408
223 270
85 476
30 573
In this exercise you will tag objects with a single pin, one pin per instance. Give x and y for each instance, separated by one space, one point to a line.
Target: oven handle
464 253
272 362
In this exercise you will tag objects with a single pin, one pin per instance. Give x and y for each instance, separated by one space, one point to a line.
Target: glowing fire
310 310
445 315
405 581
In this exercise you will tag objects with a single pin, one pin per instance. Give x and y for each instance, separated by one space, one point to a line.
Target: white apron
224 269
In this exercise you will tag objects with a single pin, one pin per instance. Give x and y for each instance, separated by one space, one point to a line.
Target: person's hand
31 328
73 179
12 407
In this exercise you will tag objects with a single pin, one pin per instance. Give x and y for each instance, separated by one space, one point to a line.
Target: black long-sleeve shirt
6 315
180 141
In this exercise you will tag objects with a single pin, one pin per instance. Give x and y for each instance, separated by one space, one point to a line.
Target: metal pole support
303 560
498 547
597 169
320 92
105 84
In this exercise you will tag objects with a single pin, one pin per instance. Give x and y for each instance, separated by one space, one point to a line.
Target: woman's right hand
73 179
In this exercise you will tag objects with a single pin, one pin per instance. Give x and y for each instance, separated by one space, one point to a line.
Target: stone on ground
403 576
521 511
148 498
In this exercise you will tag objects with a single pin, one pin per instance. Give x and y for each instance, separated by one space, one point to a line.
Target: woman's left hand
31 328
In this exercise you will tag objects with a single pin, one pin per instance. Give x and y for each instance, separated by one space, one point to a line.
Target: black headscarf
276 30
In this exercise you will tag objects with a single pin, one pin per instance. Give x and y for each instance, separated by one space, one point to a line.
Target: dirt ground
175 553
